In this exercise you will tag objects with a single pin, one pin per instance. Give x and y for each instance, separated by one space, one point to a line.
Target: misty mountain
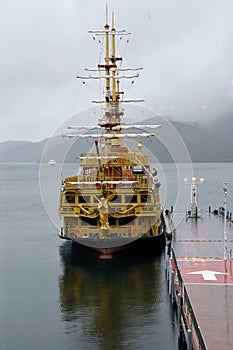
209 142
21 151
205 143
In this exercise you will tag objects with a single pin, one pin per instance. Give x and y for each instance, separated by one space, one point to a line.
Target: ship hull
108 247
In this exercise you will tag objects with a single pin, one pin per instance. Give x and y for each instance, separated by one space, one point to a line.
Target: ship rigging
114 202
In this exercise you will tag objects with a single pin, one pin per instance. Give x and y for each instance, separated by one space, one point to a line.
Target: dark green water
54 297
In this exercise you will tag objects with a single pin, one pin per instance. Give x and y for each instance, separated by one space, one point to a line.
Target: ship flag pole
225 221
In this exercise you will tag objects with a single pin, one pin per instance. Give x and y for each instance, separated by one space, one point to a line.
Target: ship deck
207 279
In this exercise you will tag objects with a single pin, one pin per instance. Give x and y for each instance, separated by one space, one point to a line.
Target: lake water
54 297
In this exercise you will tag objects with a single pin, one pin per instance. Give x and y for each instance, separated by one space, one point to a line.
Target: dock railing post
171 285
189 339
179 300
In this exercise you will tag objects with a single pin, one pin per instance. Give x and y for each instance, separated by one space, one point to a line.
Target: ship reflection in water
115 304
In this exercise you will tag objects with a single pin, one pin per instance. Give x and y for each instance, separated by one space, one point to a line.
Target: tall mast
107 68
110 123
113 59
109 72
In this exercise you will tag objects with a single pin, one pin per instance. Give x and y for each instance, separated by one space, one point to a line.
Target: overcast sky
185 47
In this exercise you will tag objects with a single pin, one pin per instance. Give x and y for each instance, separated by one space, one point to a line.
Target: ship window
144 198
70 198
140 220
116 199
137 169
112 221
84 199
96 199
89 221
126 221
131 199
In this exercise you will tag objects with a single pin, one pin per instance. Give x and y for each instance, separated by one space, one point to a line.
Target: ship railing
65 210
123 155
70 182
97 233
91 181
143 181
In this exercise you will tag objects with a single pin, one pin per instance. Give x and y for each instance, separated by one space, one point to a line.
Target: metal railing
185 314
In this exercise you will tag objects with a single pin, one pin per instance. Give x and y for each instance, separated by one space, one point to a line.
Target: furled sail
109 136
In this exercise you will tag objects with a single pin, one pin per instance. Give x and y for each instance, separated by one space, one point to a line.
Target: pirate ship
113 203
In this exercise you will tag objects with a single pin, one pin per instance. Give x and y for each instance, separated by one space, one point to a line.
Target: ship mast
110 122
107 65
113 59
112 110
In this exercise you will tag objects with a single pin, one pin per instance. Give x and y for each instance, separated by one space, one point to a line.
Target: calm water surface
52 296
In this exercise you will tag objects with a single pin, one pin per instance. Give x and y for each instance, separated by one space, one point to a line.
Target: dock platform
200 278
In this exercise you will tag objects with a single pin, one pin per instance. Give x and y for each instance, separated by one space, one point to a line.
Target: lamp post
225 221
193 200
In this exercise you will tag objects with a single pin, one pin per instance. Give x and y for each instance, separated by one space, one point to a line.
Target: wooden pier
199 269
